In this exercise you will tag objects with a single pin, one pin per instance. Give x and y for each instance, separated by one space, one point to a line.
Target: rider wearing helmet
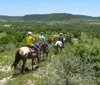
30 41
41 37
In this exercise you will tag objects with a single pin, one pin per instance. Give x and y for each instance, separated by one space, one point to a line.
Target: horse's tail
17 59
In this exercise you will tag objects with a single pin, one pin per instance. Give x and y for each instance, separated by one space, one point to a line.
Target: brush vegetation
77 64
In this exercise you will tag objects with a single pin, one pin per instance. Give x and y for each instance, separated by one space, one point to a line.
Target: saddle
32 50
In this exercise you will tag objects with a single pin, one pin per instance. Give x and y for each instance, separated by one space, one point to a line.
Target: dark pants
63 44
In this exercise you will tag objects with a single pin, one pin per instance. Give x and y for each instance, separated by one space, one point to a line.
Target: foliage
68 70
79 62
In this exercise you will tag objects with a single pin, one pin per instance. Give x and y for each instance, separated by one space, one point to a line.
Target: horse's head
49 40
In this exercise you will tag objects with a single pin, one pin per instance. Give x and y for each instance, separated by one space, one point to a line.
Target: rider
61 38
41 37
30 41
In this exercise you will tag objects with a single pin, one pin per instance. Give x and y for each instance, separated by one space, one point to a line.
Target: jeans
36 48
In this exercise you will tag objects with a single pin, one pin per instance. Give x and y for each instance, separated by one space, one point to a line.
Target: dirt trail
5 69
3 81
8 69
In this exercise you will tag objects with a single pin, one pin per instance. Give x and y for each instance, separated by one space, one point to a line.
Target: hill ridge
47 17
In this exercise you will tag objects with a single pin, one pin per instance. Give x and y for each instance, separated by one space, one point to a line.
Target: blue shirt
41 38
61 38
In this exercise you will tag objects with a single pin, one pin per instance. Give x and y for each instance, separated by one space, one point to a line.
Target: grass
61 69
7 58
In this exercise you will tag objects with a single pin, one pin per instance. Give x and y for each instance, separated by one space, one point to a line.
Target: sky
24 7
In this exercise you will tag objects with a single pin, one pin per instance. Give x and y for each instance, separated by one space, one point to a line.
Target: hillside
66 68
54 16
4 17
47 17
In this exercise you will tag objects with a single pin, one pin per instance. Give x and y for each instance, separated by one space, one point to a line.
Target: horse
58 46
43 47
23 54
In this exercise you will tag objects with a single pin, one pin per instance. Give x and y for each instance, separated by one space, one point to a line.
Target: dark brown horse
43 47
23 54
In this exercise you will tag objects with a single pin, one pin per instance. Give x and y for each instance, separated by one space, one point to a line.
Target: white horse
58 46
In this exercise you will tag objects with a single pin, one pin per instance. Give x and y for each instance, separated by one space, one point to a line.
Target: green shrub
10 47
68 69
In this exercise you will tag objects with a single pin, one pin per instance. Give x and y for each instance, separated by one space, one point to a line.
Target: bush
2 49
10 47
68 70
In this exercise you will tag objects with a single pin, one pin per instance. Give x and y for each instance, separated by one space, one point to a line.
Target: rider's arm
33 39
44 38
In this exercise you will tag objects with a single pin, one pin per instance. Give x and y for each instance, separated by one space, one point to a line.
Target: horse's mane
49 40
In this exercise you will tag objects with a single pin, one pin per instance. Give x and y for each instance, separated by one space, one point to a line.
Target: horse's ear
50 38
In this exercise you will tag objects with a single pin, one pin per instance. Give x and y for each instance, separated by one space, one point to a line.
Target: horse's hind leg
33 63
23 66
46 54
15 65
61 49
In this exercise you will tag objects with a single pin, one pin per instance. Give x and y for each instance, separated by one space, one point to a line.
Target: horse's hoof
26 69
15 74
23 72
37 67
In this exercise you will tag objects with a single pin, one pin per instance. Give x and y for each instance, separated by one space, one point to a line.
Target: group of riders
32 50
30 41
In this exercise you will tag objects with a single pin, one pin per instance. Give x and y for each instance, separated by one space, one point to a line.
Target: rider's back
41 38
29 41
60 38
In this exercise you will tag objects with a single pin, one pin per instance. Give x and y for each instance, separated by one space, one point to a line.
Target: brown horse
23 54
43 47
